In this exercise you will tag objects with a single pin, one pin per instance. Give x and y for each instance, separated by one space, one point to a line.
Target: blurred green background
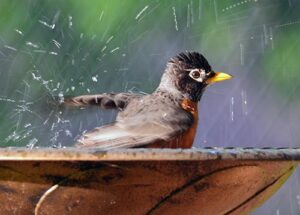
56 48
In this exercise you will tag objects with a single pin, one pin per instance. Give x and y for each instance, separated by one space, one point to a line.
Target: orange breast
187 138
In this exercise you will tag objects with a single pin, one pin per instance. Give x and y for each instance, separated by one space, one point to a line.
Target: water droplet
28 43
115 49
244 102
47 25
95 78
19 32
10 48
109 39
70 21
175 18
231 109
141 12
53 53
68 133
27 125
57 44
32 143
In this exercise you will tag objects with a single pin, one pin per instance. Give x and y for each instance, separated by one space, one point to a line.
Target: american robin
167 118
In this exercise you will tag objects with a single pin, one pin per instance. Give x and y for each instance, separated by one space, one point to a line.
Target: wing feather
115 136
105 100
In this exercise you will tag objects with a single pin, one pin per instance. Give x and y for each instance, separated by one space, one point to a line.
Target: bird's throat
190 106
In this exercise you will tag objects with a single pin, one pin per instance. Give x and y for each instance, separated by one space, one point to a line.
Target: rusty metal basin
141 181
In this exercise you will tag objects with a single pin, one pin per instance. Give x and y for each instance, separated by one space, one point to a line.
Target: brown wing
105 100
137 133
114 136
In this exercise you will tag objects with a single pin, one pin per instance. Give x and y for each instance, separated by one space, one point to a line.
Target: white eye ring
197 74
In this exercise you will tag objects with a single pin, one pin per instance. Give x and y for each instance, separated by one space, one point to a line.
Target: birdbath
141 181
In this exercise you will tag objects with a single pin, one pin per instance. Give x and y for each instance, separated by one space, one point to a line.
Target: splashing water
141 12
64 51
232 108
175 18
47 25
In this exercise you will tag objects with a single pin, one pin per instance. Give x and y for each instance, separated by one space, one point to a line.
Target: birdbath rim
142 154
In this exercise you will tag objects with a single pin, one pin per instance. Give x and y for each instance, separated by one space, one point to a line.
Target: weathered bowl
141 181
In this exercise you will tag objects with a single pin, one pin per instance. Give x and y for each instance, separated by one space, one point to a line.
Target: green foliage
282 64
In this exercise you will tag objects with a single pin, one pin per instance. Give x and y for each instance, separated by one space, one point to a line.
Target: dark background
57 48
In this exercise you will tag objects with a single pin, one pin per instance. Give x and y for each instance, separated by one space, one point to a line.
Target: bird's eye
198 75
195 74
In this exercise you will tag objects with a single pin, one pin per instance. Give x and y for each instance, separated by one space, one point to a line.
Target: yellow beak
219 76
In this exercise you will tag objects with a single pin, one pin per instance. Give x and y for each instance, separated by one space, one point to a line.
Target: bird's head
189 74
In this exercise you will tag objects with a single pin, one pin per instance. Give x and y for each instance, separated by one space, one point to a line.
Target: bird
166 118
